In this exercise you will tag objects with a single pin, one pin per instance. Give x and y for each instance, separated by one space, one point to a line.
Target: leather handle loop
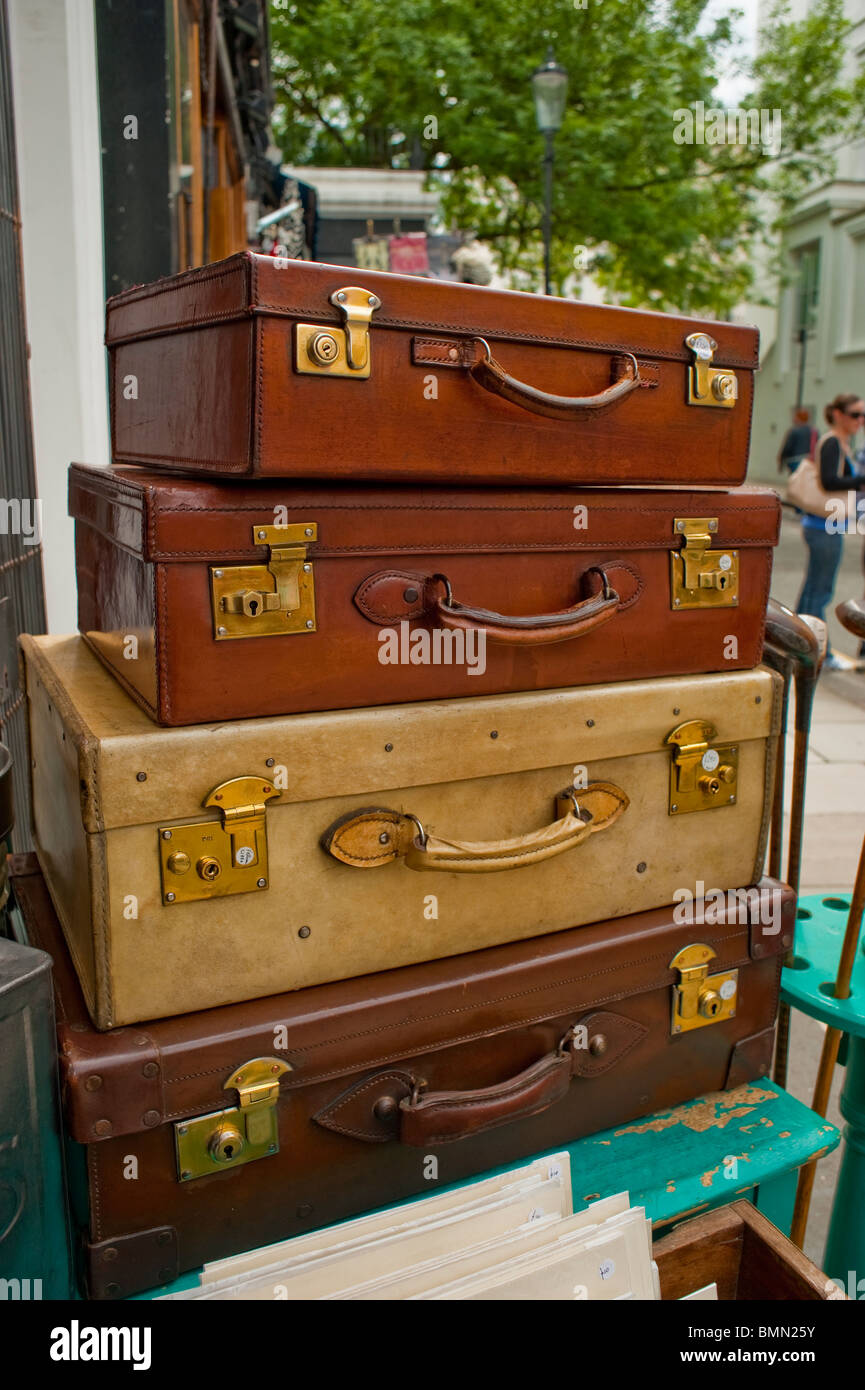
491 375
443 1116
533 630
375 836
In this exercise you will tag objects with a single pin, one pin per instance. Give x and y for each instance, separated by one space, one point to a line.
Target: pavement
834 818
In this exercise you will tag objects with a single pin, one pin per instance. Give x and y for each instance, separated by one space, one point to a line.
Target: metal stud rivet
732 798
93 1083
340 296
308 531
384 838
262 535
307 568
641 867
494 733
262 883
268 762
185 1175
303 933
590 723
141 776
310 623
410 595
373 300
182 1129
598 1045
217 574
388 748
169 897
166 834
674 808
221 631
758 699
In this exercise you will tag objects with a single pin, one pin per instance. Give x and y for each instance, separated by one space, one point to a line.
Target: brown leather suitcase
224 370
199 1136
206 610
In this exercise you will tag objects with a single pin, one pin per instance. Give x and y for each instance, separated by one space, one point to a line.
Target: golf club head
852 615
795 637
821 633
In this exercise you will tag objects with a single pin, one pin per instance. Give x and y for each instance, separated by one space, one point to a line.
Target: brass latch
701 577
325 351
708 385
703 774
700 998
240 1134
276 599
213 860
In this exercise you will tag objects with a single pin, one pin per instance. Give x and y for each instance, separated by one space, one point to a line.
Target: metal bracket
209 860
703 774
708 385
324 351
276 599
229 1138
701 577
700 998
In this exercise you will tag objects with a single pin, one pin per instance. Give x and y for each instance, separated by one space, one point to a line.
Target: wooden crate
738 1249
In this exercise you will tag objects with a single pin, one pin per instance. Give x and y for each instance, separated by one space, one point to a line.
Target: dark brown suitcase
205 610
200 1136
224 370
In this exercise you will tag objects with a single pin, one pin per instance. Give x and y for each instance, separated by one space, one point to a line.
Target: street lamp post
550 90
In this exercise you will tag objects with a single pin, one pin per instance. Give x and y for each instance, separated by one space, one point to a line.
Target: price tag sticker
245 855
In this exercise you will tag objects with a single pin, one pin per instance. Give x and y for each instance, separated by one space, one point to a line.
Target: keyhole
722 581
253 606
229 1151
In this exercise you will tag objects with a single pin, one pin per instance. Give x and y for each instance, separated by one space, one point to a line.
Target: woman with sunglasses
823 536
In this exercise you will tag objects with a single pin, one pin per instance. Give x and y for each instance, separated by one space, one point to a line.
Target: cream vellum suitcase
200 866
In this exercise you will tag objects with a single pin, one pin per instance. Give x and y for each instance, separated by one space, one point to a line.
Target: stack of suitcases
417 692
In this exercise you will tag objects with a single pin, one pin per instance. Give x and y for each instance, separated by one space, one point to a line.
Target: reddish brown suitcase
207 611
224 370
199 1136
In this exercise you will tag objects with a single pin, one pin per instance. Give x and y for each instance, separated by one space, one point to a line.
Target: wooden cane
852 615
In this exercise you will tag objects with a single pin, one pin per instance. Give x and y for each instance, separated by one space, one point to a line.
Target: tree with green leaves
443 85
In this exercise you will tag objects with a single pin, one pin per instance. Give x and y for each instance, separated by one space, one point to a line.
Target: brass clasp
700 998
708 385
276 599
240 1134
324 351
703 774
209 860
701 577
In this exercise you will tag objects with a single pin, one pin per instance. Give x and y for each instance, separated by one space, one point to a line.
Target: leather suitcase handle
376 836
536 629
443 1116
491 375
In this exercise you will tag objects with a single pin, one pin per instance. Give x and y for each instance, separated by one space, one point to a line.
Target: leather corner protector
750 1058
112 1083
367 838
370 1110
770 937
383 597
620 1035
131 1264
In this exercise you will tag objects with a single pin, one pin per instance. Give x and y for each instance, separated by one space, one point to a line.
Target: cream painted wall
58 145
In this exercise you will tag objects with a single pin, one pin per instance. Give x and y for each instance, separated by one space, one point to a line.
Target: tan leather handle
491 375
370 838
446 1115
536 629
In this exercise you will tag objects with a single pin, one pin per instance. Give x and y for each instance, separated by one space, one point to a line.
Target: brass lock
226 1143
701 577
708 385
276 599
229 1138
230 855
700 998
342 352
703 774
